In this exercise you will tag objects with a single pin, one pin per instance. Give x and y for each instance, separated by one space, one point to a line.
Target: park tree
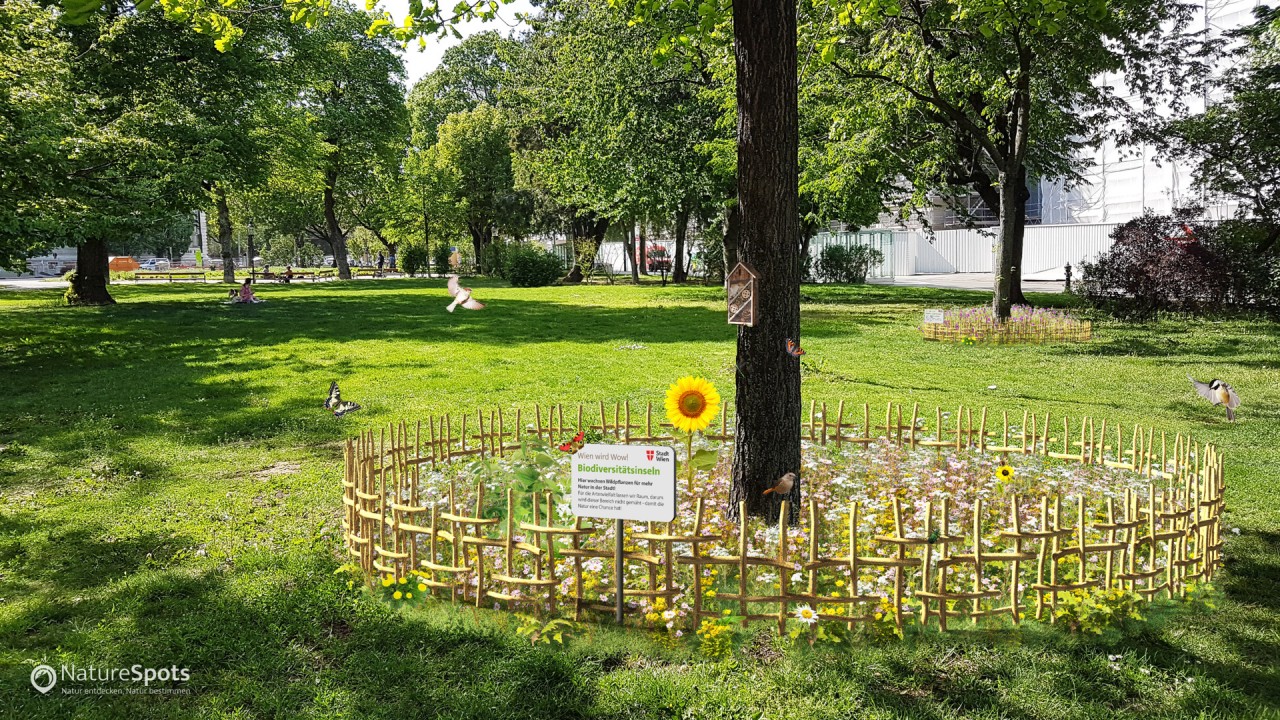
608 132
470 74
1014 88
1234 142
474 150
36 124
353 97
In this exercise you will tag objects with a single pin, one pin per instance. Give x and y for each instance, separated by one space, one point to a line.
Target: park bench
171 275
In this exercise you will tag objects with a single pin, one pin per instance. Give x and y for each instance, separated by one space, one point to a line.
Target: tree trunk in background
1019 234
642 256
337 239
630 248
732 229
588 233
89 282
767 444
679 273
1005 262
225 239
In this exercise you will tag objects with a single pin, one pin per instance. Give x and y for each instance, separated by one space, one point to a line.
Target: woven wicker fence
1153 542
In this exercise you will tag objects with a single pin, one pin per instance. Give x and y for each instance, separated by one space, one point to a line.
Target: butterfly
575 444
335 402
793 348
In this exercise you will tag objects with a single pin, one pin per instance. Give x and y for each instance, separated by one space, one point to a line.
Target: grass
171 497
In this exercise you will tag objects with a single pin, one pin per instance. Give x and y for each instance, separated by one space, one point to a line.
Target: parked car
159 264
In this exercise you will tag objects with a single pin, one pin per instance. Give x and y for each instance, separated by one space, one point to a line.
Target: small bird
785 483
335 402
1218 393
461 296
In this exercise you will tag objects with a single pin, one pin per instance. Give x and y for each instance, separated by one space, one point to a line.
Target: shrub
1161 263
841 264
495 258
713 259
440 258
531 266
414 260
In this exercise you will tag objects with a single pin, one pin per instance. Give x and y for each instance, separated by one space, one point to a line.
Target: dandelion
399 595
422 587
806 615
386 581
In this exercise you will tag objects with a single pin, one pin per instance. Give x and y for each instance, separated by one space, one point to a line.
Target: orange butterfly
575 444
793 348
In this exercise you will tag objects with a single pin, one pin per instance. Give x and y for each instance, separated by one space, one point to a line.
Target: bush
495 258
414 260
841 264
531 266
713 259
1162 263
440 258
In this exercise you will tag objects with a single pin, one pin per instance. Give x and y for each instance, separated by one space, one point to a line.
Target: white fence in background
1046 249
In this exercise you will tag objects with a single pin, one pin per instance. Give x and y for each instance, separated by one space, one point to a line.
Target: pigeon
1218 393
785 483
461 296
335 402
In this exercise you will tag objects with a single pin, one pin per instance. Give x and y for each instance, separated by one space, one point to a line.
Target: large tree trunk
1006 262
481 237
679 273
1019 234
89 281
767 444
225 239
333 229
588 233
732 230
629 246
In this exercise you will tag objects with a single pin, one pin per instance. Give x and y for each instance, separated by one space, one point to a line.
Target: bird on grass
785 483
1218 393
461 296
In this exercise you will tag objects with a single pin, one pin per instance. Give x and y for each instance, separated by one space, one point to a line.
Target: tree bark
679 273
1006 262
1019 234
89 282
629 248
333 229
767 441
642 256
225 239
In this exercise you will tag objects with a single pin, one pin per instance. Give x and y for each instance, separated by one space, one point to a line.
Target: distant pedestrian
381 260
392 261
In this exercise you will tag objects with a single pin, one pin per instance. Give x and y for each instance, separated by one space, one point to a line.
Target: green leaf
705 459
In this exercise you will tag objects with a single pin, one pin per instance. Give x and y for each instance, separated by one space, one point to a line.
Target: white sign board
934 317
625 482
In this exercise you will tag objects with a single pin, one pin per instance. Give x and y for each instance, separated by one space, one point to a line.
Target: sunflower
1004 473
691 404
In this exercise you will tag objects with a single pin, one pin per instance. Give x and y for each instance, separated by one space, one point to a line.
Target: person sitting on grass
246 293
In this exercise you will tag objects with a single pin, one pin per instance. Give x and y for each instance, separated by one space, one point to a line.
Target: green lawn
172 489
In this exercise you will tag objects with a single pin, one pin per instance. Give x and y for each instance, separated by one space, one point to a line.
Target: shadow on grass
275 635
